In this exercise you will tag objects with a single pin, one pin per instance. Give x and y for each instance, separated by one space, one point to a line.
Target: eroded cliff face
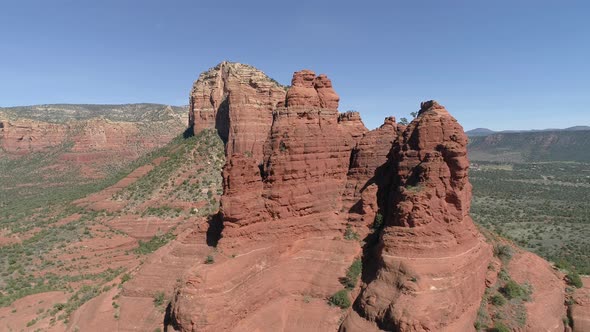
95 146
27 136
303 174
283 219
308 176
432 260
237 100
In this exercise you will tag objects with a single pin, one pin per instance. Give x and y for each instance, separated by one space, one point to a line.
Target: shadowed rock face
287 202
431 259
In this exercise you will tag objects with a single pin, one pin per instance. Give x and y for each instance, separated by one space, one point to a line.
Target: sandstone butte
302 180
307 192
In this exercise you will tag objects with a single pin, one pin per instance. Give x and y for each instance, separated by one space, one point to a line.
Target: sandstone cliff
431 257
96 139
302 183
238 101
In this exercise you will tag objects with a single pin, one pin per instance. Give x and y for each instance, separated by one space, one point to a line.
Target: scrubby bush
340 299
513 290
378 221
574 279
159 299
504 252
126 277
209 260
500 327
352 274
497 300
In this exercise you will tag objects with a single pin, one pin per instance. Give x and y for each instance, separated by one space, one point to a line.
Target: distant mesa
486 131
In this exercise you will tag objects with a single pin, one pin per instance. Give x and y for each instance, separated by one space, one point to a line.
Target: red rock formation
287 202
545 310
580 310
368 171
25 136
351 122
238 100
282 221
306 159
432 260
92 145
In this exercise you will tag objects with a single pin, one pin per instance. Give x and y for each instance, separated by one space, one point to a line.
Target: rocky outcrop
432 261
368 172
306 159
237 100
580 309
278 216
26 136
319 175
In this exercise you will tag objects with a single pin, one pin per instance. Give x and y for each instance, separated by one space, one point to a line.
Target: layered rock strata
296 185
282 221
237 100
432 261
303 174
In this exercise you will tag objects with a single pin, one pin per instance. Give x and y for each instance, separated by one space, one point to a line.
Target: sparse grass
415 189
154 243
351 235
204 146
542 207
126 277
159 299
513 290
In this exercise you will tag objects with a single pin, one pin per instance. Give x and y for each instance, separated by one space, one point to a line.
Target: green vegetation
504 252
351 235
126 277
574 279
181 155
378 222
62 113
340 299
210 259
483 318
37 209
512 290
542 207
159 299
415 189
507 297
154 243
500 327
497 300
283 146
352 274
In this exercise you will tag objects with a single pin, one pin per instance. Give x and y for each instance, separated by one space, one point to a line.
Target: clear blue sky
496 64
